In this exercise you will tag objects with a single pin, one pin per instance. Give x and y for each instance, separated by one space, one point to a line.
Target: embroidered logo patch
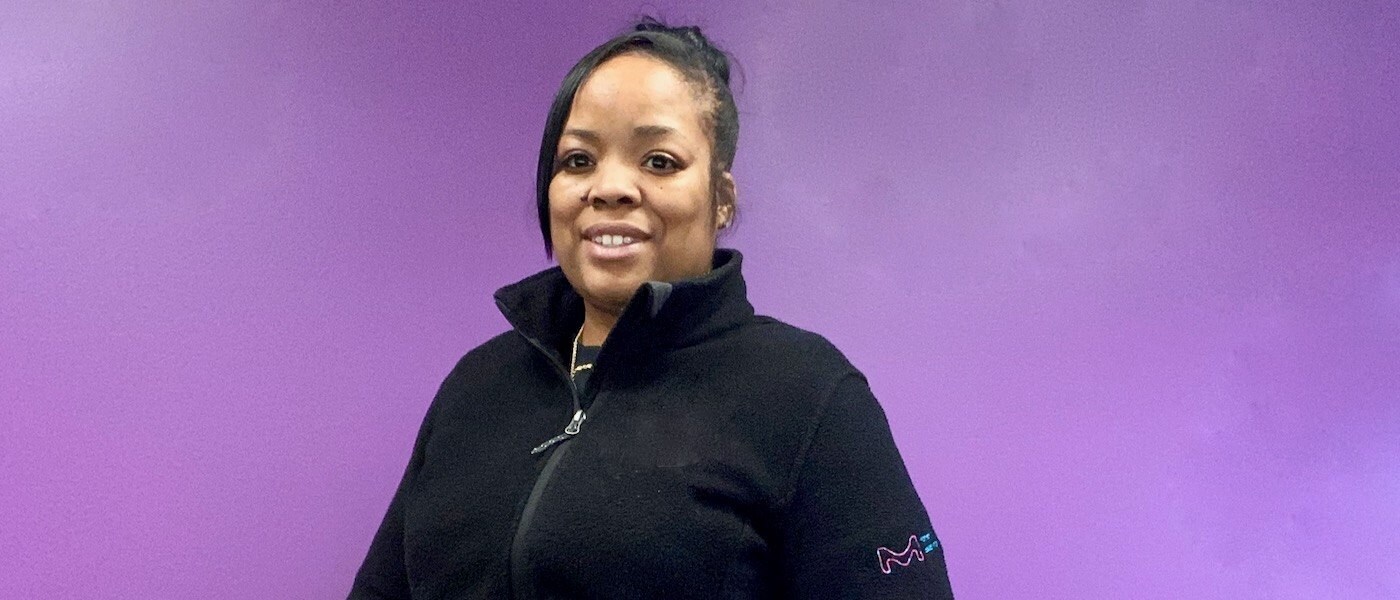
913 550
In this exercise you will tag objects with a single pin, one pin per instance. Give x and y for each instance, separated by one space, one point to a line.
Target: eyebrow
645 131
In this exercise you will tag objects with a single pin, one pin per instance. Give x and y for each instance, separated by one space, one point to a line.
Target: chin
613 290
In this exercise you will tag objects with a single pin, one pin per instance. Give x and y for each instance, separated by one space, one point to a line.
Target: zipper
521 585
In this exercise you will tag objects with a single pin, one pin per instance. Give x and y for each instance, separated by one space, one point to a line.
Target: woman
640 433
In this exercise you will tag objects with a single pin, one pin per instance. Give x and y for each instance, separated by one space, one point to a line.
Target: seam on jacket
660 293
726 583
796 471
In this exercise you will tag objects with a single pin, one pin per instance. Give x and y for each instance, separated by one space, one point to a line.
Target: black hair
683 48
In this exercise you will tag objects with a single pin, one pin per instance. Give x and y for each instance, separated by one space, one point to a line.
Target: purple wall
1125 275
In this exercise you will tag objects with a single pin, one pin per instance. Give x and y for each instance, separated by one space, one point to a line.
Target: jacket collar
546 310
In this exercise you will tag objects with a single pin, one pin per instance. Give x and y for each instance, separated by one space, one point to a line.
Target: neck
597 324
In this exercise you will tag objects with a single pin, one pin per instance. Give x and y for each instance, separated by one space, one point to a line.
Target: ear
726 198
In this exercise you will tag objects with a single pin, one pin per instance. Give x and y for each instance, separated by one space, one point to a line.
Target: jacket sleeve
383 575
854 526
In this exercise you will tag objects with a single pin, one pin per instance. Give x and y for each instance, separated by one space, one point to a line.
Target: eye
661 162
575 161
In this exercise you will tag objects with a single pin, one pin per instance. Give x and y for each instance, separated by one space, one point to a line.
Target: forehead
635 89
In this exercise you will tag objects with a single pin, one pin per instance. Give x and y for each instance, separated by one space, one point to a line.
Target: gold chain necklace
573 357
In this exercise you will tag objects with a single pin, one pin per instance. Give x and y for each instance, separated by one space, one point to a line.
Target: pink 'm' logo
911 551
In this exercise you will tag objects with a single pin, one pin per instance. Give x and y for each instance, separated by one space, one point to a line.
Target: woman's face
630 201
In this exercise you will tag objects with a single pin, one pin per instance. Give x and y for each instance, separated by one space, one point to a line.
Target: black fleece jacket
718 454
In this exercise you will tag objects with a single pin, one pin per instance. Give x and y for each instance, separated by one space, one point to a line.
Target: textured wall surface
1125 275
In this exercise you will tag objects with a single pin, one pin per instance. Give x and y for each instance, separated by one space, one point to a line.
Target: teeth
612 240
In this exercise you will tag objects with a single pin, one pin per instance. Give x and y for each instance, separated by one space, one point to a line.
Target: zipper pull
572 429
569 431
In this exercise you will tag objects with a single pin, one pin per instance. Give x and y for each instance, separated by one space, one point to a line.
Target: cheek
687 215
562 211
562 217
556 194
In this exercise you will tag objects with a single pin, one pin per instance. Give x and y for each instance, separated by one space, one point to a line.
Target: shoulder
808 355
796 347
791 368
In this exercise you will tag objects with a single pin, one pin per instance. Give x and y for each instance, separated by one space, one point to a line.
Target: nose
613 184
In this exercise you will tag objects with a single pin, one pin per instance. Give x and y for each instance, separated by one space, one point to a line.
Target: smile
610 248
613 241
